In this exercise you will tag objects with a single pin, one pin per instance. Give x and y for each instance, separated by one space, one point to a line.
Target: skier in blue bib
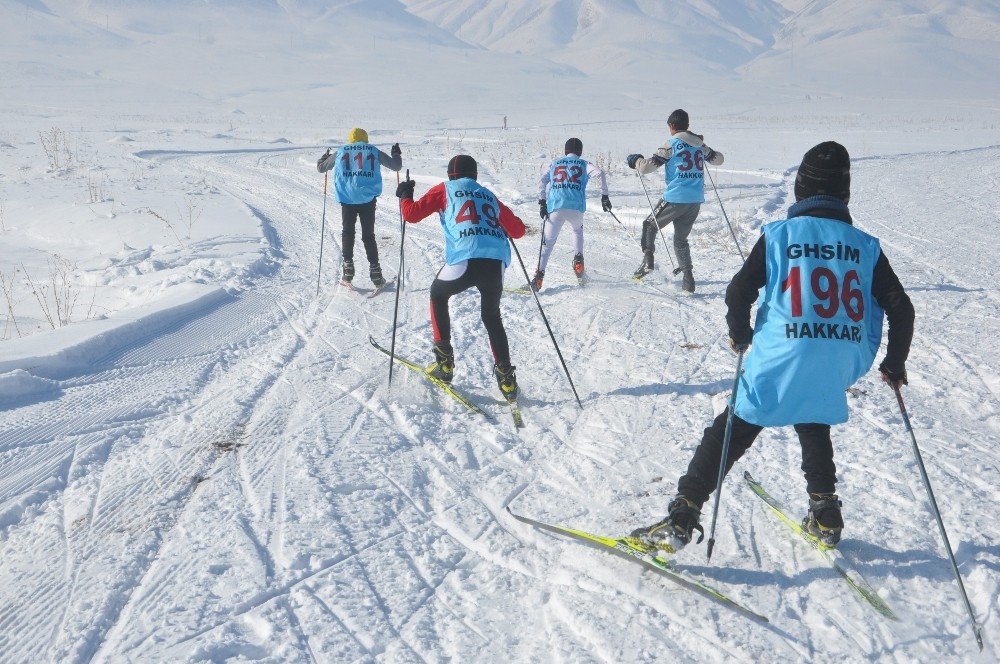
683 158
562 198
357 183
477 230
818 327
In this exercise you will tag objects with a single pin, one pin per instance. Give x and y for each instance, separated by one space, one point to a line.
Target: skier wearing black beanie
477 230
818 330
562 198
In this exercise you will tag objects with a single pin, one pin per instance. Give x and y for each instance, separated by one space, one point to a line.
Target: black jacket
888 292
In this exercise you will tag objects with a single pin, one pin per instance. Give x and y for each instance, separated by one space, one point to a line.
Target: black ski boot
376 274
645 267
347 271
506 381
676 530
536 283
578 266
687 281
443 367
824 521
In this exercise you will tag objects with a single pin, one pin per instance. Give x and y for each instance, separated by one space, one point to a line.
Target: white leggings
552 227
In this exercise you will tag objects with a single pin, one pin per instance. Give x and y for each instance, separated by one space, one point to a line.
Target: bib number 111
830 294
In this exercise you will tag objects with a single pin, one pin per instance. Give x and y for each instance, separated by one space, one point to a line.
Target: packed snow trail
244 484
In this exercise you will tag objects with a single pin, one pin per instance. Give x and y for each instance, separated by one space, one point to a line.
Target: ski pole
652 216
322 235
545 320
725 450
402 232
976 627
399 282
632 237
725 216
541 243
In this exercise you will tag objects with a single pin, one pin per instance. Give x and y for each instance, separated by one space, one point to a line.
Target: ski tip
747 476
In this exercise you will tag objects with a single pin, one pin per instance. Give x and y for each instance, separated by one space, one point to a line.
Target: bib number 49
469 212
831 295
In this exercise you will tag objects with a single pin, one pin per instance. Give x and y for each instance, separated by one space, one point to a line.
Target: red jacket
436 200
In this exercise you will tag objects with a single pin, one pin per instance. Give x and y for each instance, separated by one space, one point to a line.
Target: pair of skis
375 291
460 397
637 551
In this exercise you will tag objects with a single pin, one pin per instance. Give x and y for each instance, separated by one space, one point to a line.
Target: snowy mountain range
916 49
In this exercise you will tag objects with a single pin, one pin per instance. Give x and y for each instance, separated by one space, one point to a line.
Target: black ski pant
703 471
486 275
350 214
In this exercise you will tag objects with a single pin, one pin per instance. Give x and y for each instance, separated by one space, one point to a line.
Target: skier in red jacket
477 228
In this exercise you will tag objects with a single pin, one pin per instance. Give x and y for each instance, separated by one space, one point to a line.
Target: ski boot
687 281
376 274
675 531
347 271
645 267
824 521
506 381
578 266
443 367
536 283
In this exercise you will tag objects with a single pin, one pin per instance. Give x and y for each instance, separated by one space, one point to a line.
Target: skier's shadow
925 563
871 561
661 389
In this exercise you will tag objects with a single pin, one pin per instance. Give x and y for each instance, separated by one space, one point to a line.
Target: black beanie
825 171
462 166
574 146
679 119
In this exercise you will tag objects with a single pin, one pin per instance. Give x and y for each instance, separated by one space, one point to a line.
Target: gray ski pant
683 216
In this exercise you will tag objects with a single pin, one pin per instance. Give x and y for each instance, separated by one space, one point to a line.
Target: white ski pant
552 227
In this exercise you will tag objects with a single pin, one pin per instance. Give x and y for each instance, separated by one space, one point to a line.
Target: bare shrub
7 285
57 298
59 152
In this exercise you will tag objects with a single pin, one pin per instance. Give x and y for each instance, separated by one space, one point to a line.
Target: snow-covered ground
205 463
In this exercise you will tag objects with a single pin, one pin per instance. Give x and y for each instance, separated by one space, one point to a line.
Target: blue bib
818 326
471 222
356 175
568 184
684 174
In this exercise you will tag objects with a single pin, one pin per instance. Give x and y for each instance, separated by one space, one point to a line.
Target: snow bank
78 346
19 385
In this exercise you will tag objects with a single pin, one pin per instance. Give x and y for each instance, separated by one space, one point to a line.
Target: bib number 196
831 295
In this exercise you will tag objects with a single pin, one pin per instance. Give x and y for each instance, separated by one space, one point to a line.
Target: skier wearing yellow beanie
357 184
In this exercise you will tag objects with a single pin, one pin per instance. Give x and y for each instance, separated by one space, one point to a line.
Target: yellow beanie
357 135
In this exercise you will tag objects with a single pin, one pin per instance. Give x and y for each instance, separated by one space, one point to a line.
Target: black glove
632 158
709 155
543 209
738 346
894 378
405 189
606 203
396 151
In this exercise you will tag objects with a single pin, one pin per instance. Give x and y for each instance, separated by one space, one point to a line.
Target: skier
358 183
562 197
819 324
476 230
684 156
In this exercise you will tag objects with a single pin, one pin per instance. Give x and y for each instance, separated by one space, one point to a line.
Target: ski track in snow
244 485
